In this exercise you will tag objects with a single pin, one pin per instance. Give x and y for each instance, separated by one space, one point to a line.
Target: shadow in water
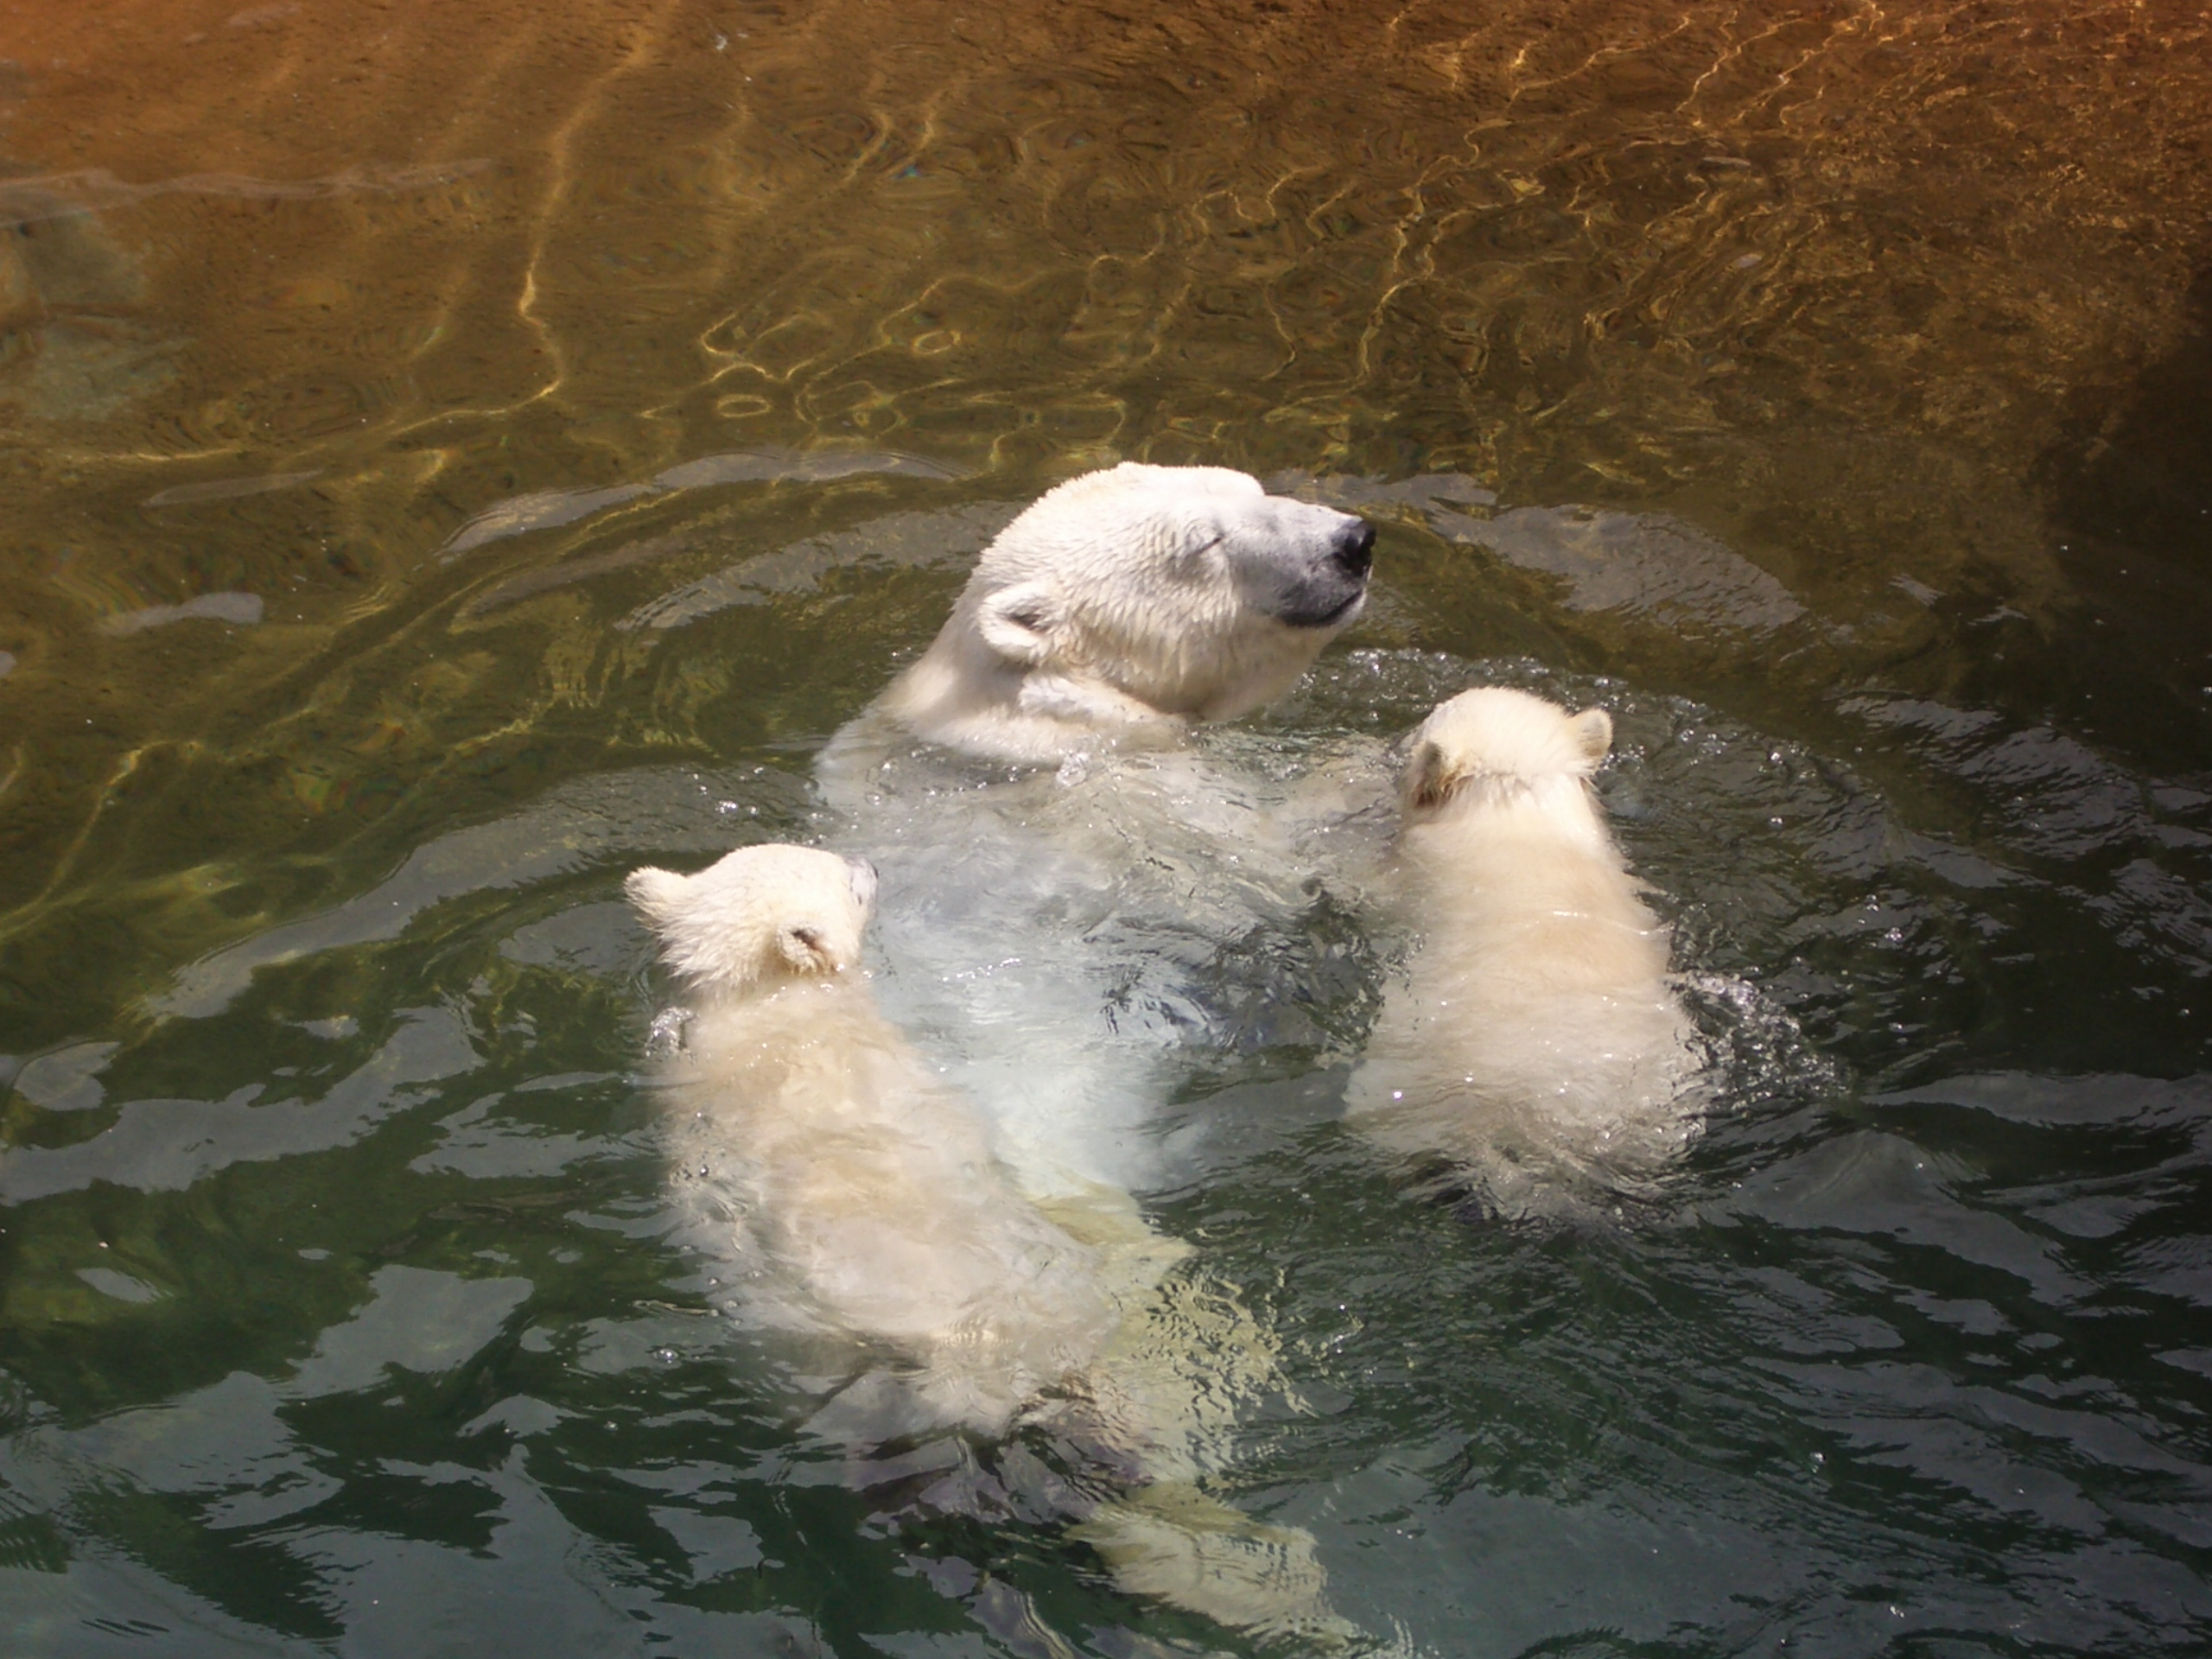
2129 493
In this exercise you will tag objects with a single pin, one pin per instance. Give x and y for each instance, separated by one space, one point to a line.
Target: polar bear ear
1018 622
1593 733
1429 781
657 893
804 951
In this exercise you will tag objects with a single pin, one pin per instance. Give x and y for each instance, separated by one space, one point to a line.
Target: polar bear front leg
1174 1543
1167 1391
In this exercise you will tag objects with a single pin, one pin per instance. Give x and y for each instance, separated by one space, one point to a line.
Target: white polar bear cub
868 1186
1537 1028
1135 599
867 1183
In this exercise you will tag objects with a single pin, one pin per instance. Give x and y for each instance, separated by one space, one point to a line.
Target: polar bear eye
1196 560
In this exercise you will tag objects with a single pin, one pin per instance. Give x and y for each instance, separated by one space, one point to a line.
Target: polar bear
1129 602
1536 1033
1071 861
846 1173
863 1181
1065 848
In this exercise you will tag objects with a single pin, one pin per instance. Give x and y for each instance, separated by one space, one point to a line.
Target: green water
450 459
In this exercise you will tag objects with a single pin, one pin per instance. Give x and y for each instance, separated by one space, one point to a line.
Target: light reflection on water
453 458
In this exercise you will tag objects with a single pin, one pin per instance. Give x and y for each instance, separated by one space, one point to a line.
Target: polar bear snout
1354 548
1327 591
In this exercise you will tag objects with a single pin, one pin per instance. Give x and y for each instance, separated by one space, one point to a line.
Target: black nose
1354 547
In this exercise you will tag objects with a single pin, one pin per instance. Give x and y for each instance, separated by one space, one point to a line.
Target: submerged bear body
872 1185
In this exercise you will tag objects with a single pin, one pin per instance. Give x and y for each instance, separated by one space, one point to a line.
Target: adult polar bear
1057 861
1050 915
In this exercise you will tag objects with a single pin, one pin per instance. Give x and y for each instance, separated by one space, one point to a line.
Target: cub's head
758 916
1491 742
1188 588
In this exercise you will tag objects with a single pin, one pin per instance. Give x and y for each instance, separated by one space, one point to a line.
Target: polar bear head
759 915
1134 595
1494 744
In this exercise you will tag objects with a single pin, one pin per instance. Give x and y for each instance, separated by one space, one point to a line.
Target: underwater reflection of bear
1535 1040
855 1193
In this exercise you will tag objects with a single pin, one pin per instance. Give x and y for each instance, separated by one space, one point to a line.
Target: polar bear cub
1537 1026
865 1181
1131 601
868 1184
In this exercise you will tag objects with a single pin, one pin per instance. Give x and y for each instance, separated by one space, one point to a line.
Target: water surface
454 456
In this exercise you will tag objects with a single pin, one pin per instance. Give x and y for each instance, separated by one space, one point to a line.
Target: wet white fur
864 1180
1125 602
1117 610
1047 923
868 1184
1536 1031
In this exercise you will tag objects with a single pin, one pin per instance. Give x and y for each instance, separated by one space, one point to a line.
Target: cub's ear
1019 622
1593 733
657 893
1428 781
803 949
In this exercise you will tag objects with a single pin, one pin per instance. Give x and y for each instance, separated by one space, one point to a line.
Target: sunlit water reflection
454 459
